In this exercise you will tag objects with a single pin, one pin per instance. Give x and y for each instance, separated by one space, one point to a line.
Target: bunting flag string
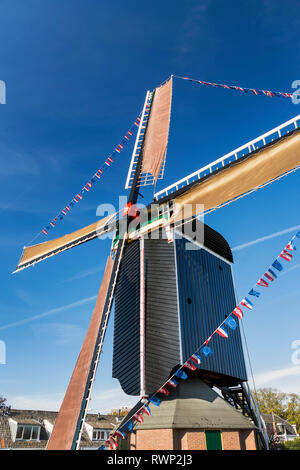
94 179
253 91
204 349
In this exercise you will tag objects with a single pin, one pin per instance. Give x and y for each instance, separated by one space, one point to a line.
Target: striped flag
246 303
146 410
196 358
208 340
262 282
270 275
286 255
138 417
238 312
290 247
112 443
44 231
189 365
172 383
119 433
164 391
223 333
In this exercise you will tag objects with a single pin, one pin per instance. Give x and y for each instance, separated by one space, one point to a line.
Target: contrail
267 237
53 311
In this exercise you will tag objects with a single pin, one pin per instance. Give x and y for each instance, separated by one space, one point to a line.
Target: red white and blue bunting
94 179
253 91
205 350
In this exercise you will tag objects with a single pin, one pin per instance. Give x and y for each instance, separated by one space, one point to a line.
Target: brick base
189 439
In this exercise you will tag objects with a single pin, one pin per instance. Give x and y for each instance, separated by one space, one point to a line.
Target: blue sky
76 75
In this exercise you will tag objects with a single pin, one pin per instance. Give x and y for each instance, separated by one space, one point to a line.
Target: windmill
164 298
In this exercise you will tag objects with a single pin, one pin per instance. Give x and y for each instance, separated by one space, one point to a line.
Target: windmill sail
34 254
242 176
152 138
69 416
157 134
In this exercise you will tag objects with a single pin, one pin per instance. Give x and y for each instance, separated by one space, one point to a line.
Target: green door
213 440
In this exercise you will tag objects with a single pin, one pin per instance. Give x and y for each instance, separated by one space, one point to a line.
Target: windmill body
169 297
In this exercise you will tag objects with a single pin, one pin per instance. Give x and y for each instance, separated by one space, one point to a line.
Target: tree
293 410
2 402
285 405
291 445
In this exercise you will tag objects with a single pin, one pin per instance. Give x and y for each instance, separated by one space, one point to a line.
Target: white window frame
32 426
99 431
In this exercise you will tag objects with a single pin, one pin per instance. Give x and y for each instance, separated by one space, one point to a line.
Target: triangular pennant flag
206 351
164 391
223 333
277 265
146 410
286 255
246 303
138 417
270 275
128 426
196 358
181 374
208 340
262 282
253 292
291 247
238 312
119 433
172 382
230 321
189 365
155 400
112 443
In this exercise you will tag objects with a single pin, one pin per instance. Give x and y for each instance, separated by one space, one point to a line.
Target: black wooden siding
126 345
206 293
162 329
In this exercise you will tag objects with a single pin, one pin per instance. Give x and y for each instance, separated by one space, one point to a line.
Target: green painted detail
163 216
213 440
